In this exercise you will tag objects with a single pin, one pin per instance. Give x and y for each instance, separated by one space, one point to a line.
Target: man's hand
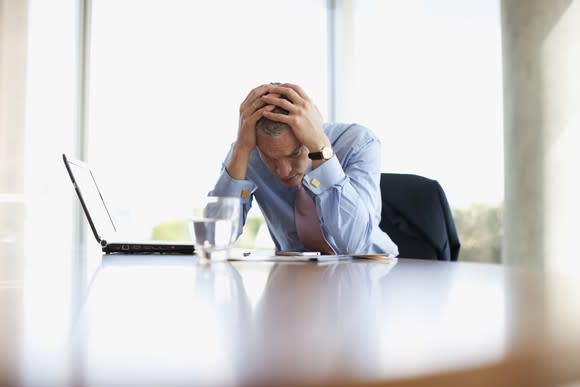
251 111
303 116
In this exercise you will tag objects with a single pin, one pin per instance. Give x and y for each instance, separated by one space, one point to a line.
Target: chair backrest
417 217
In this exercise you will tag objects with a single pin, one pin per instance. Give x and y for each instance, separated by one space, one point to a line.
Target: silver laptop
101 222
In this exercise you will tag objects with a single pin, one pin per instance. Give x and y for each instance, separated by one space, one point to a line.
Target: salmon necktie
308 224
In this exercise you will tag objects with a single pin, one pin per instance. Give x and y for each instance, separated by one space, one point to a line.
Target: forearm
228 185
237 164
348 216
348 200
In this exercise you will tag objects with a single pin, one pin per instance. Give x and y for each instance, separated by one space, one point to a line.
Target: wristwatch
324 154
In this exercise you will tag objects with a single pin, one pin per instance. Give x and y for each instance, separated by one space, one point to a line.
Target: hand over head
303 116
290 127
251 110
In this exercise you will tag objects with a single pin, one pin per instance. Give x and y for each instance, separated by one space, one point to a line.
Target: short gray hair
272 128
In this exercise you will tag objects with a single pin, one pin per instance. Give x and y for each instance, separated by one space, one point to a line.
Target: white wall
542 131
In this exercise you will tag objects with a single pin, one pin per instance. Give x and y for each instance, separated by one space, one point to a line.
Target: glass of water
214 226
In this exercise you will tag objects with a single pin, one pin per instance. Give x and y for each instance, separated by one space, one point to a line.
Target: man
284 155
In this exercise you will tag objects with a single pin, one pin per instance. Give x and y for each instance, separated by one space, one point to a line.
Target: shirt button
245 194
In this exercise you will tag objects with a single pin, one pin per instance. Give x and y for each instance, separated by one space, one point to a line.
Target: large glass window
166 82
426 76
167 77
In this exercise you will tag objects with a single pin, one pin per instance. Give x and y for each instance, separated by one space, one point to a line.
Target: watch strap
324 154
315 155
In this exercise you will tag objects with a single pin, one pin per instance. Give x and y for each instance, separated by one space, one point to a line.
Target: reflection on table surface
166 320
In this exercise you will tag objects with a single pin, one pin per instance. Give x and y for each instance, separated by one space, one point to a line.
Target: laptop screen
89 193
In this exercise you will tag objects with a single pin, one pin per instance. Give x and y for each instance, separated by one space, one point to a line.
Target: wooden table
169 321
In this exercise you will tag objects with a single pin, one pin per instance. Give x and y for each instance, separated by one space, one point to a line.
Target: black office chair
417 217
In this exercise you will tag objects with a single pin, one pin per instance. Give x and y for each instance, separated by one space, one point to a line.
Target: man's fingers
280 102
256 90
254 94
298 90
278 117
254 106
257 104
263 99
292 95
254 117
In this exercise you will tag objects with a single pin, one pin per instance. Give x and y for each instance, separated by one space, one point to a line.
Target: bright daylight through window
167 77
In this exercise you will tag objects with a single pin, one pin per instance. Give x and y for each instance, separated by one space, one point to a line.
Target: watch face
327 152
324 154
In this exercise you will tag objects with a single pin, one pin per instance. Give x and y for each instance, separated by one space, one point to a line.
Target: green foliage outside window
178 230
480 232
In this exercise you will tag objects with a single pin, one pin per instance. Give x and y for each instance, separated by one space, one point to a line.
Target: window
167 77
426 76
166 81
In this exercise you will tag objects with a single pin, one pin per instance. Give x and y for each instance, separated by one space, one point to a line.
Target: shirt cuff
227 186
328 174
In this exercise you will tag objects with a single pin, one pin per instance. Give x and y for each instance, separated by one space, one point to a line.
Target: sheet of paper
250 257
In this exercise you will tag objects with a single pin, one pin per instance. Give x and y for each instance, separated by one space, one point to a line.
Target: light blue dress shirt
348 196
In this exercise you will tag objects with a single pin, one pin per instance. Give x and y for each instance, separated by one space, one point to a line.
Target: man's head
272 128
281 151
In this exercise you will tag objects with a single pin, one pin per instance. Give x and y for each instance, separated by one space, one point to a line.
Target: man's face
284 156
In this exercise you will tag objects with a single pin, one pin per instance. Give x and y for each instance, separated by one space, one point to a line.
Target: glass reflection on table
177 320
161 320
